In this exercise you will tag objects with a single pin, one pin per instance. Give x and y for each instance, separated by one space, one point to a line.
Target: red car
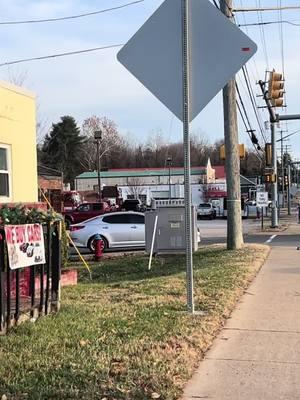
85 211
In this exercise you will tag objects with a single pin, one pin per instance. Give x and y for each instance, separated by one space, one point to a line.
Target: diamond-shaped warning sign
218 49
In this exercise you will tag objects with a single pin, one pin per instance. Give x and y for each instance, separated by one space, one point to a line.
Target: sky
97 84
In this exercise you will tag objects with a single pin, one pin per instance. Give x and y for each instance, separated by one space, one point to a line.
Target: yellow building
18 158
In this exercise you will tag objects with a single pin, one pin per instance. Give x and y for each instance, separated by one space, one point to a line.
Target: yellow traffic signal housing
270 178
242 151
222 152
268 150
276 89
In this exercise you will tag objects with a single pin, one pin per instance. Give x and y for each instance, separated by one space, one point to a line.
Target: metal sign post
187 158
262 202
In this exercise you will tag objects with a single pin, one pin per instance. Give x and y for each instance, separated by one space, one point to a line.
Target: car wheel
91 243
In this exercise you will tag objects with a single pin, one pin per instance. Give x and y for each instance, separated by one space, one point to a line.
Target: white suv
206 210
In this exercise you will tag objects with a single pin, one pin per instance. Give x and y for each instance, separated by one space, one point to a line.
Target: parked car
123 230
85 211
117 230
133 205
206 210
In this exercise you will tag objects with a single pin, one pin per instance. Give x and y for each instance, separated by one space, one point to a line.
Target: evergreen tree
62 148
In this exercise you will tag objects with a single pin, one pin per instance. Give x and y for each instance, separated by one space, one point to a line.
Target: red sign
25 245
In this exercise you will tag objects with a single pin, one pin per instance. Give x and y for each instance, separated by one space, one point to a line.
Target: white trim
7 147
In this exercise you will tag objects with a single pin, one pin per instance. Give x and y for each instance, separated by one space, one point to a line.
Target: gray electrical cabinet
170 230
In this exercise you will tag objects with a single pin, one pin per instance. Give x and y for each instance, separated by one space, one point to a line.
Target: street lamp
169 164
98 137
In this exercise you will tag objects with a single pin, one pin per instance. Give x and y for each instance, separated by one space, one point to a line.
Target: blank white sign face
218 49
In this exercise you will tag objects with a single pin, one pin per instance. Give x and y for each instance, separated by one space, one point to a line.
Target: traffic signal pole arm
287 117
274 222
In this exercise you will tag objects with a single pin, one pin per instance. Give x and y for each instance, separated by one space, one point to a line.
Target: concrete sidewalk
257 355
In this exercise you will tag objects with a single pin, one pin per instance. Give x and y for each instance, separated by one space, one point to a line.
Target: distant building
157 183
149 177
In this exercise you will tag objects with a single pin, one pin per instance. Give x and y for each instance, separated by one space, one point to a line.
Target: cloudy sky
96 84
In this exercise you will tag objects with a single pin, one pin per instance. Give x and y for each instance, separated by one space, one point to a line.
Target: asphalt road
215 232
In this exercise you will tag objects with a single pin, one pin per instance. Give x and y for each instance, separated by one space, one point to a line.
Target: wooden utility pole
232 162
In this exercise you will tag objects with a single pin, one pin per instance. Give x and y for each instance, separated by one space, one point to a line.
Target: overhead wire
251 94
253 69
70 53
253 102
262 33
268 23
250 131
247 130
88 14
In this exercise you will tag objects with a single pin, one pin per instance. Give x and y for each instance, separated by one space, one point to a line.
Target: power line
248 128
269 23
38 21
265 9
293 133
248 131
253 101
262 34
70 53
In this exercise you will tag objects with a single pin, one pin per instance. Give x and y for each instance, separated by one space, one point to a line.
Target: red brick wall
51 184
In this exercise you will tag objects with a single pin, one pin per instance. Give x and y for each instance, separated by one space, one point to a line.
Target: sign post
176 55
187 156
262 202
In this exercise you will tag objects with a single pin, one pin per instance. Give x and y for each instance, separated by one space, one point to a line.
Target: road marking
270 239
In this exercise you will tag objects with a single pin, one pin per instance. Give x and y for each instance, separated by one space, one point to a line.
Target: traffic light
268 150
270 178
242 152
276 89
286 180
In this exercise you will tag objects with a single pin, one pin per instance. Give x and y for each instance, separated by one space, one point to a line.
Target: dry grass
126 334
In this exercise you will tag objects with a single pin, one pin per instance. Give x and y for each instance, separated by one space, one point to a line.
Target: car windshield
204 205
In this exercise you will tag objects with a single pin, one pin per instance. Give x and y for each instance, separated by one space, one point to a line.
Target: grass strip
125 334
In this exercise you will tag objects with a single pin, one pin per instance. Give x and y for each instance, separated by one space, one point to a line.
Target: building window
4 171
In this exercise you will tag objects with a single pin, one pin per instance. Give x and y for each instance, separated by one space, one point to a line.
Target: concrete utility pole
274 218
282 168
98 137
232 161
289 190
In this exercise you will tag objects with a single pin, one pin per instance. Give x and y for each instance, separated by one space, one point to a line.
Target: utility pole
98 137
232 161
273 100
274 222
289 188
282 167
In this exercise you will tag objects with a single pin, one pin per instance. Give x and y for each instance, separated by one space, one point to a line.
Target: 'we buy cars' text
23 233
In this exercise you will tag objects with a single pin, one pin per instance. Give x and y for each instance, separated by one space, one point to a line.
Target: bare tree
17 77
111 141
